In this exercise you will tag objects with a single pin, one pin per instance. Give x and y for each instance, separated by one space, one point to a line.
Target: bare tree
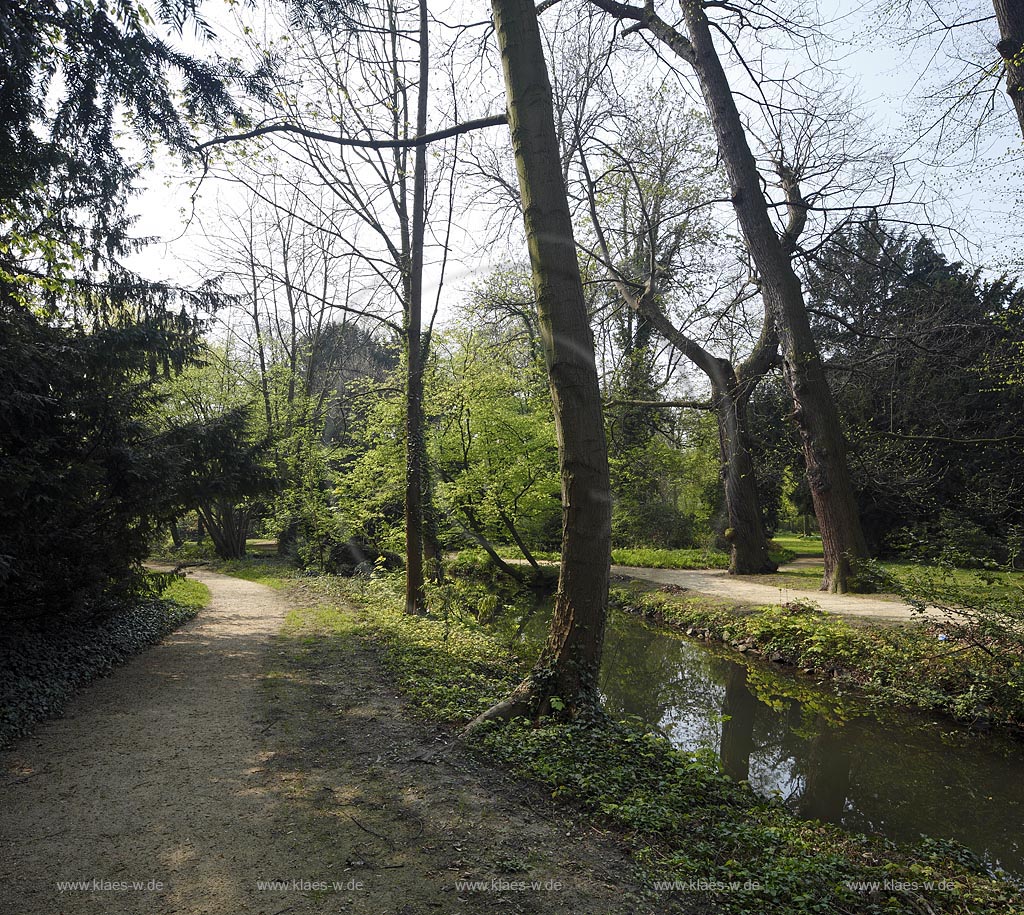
651 203
818 421
367 71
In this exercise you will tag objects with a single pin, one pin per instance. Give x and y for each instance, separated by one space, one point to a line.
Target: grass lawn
187 592
808 577
799 544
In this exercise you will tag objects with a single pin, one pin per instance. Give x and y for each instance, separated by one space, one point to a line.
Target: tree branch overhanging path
568 668
496 120
405 252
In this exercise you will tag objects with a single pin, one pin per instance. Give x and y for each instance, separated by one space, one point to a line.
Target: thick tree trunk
570 662
814 409
748 545
1010 16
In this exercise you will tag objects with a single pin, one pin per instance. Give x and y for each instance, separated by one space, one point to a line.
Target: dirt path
720 584
230 755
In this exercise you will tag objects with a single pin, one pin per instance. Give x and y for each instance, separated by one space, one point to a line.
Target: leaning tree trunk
748 545
814 409
1010 16
570 662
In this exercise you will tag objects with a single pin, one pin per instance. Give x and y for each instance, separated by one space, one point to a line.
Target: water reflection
902 777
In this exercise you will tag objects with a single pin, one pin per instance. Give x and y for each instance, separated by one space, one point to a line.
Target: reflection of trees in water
898 777
739 709
668 683
826 766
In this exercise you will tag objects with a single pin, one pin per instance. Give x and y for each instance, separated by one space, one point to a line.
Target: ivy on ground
722 846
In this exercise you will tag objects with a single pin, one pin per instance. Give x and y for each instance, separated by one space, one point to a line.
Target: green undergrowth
684 820
923 665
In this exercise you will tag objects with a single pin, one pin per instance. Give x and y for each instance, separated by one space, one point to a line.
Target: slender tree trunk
748 545
510 526
1010 16
415 464
260 348
814 409
476 531
570 662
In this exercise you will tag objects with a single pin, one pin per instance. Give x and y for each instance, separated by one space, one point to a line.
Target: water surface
901 775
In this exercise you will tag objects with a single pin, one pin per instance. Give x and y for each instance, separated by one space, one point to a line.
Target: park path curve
723 586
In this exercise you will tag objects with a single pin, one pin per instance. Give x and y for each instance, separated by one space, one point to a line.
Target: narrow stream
901 775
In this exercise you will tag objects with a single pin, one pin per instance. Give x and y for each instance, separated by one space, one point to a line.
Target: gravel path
722 585
154 774
230 754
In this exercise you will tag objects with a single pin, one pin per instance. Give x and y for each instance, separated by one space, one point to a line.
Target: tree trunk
228 526
814 409
748 545
570 662
510 526
415 445
731 389
1010 16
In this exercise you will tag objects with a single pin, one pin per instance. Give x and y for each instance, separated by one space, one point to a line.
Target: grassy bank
41 671
915 665
683 819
